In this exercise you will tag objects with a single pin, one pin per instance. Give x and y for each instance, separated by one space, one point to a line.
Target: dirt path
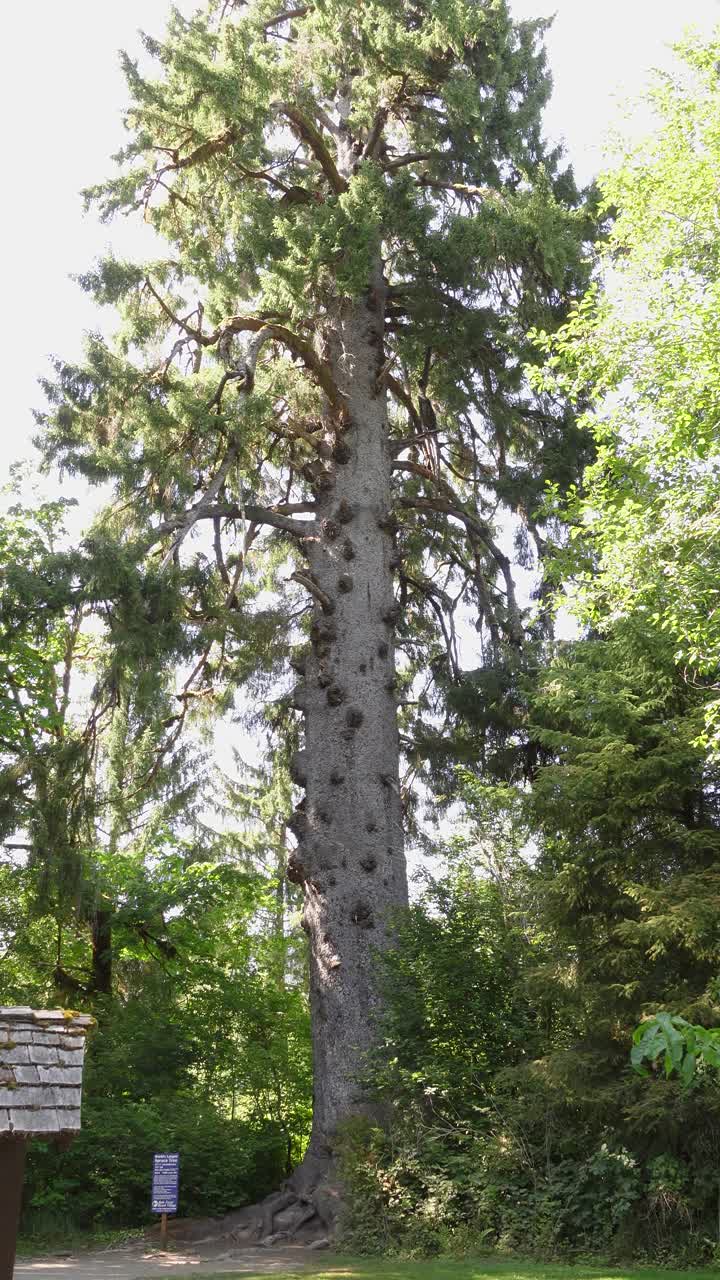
138 1261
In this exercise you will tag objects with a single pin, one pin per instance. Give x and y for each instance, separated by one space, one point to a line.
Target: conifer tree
316 405
81 801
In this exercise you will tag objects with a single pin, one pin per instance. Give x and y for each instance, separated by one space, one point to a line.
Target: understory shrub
515 1125
420 1192
104 1178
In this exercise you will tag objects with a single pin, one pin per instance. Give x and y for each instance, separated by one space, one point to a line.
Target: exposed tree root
305 1209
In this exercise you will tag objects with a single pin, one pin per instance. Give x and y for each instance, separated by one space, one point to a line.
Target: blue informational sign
165 1183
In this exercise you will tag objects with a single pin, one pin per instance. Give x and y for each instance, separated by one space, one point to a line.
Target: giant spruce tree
315 407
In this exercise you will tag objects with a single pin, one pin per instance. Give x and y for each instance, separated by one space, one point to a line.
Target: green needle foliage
359 223
204 413
386 160
121 894
609 744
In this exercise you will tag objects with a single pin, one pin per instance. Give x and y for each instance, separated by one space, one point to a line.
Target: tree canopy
642 351
316 404
388 368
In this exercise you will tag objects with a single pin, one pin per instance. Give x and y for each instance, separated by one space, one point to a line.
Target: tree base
305 1210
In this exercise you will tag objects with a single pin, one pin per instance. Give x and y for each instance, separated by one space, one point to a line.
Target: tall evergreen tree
318 397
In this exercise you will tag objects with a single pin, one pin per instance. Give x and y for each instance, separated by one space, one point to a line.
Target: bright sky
61 96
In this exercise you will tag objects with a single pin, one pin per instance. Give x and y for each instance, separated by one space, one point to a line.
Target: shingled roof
41 1061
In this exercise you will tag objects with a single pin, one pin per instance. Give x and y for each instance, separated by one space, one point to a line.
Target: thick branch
307 581
277 517
459 188
375 136
265 176
477 530
313 138
407 442
245 370
410 157
190 517
376 132
205 151
471 522
254 324
288 339
219 558
414 468
287 16
404 398
425 290
442 606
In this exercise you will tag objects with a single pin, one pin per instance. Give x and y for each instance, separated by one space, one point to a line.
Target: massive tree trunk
350 857
402 163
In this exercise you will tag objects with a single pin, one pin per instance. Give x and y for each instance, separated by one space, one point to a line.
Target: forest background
571 890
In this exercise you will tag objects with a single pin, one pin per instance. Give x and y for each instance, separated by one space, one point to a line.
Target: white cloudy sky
61 96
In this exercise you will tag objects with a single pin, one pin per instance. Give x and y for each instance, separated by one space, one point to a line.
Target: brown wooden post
163 1231
41 1062
12 1170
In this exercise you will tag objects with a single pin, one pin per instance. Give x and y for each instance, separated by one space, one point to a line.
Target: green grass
488 1269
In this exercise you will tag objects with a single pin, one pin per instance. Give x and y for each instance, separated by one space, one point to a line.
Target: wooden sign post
12 1169
41 1062
165 1189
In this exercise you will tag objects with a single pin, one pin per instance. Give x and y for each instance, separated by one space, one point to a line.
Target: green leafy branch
681 1046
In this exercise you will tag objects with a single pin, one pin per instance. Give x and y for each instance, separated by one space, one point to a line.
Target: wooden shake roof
41 1061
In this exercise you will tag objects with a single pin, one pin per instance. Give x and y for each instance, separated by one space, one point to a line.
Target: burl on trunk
350 858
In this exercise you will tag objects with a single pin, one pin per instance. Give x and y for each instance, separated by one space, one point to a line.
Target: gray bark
350 858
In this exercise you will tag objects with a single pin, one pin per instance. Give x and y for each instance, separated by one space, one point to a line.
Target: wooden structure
41 1063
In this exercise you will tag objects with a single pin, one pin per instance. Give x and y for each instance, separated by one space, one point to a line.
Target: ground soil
140 1260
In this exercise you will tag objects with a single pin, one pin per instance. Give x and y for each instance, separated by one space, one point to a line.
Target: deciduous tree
642 351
